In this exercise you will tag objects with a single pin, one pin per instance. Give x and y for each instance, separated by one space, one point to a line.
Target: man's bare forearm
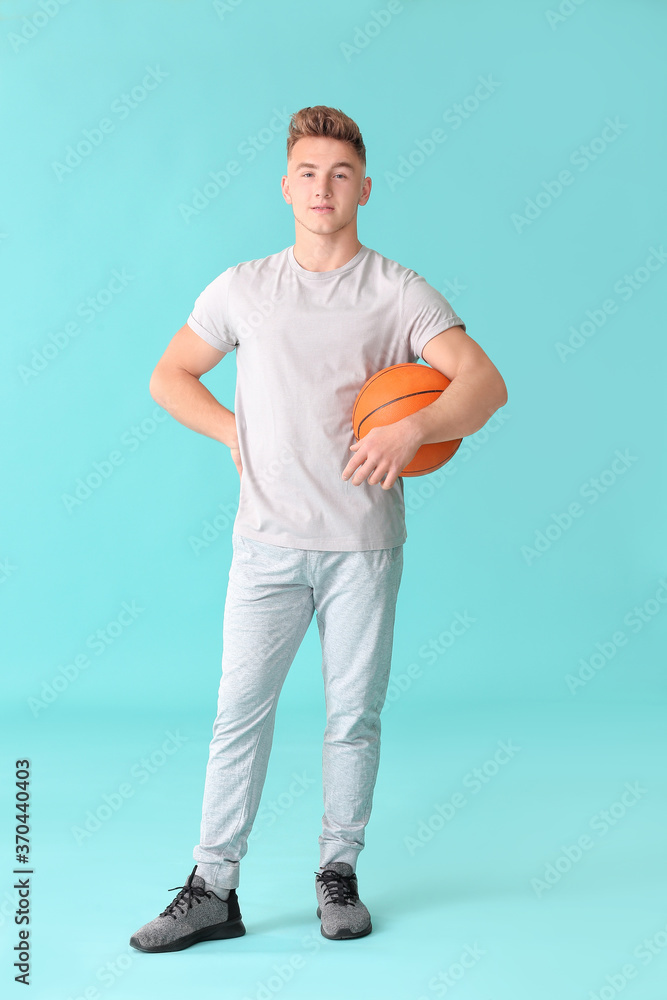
463 408
188 401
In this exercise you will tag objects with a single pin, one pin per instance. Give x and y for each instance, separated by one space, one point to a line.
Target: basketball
394 393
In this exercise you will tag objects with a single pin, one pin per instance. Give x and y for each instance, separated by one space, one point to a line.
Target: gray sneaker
196 914
343 914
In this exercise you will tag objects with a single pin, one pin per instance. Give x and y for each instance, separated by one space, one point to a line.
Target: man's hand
383 452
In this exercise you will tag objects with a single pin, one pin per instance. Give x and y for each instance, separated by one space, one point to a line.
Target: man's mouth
322 209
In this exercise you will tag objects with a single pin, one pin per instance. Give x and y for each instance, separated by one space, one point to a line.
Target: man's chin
322 225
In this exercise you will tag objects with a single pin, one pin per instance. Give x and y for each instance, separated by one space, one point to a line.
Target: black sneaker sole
227 929
344 934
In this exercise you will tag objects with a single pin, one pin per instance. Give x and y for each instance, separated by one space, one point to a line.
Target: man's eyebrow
340 163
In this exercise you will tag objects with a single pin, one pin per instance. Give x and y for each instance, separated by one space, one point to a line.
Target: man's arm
476 391
175 386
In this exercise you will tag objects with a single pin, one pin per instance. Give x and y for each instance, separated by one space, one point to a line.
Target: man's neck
318 257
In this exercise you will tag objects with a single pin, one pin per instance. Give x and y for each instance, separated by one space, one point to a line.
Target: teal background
595 587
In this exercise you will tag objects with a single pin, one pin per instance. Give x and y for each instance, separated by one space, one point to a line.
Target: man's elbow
497 387
154 387
158 385
496 395
490 381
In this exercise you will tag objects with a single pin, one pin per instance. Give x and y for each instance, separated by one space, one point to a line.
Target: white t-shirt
306 341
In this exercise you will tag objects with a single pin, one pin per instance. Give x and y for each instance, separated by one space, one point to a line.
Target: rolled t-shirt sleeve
210 314
424 312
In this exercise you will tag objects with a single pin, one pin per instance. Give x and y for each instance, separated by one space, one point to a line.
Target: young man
320 525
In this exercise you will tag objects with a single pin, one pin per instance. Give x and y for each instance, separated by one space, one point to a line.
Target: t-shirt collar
319 275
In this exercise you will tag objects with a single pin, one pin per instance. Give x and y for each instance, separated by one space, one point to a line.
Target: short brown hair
330 122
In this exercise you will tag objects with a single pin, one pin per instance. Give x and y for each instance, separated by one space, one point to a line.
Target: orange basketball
392 394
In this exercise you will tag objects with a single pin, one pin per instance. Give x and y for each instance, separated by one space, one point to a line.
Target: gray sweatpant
272 593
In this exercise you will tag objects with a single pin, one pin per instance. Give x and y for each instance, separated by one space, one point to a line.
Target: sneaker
343 914
196 914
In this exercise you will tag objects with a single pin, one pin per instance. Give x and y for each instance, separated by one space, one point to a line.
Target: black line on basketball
368 384
407 395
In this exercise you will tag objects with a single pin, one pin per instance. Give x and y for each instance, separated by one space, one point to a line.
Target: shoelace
187 894
341 888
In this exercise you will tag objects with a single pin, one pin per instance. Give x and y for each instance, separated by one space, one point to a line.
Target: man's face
325 172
